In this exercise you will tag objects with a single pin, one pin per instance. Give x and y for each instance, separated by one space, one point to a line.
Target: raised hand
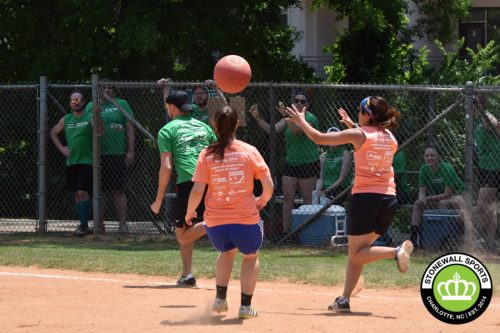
295 115
345 118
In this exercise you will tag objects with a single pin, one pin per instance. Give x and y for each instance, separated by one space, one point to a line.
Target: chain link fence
453 120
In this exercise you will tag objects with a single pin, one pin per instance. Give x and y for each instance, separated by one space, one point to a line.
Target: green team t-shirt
78 132
185 137
114 141
488 148
399 165
200 114
435 182
299 148
333 165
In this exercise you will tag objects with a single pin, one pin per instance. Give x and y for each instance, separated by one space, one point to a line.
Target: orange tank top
373 172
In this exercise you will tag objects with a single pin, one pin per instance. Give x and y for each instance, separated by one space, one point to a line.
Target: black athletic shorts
489 178
113 172
371 212
183 191
303 171
79 178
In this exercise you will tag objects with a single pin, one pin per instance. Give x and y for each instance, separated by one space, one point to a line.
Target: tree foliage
70 39
377 45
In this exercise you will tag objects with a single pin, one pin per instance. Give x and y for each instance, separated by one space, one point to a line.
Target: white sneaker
247 312
220 305
403 255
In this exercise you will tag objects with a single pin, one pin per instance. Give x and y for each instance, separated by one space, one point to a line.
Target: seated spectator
336 170
439 188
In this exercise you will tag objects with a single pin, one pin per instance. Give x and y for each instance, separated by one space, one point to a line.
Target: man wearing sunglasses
302 158
77 127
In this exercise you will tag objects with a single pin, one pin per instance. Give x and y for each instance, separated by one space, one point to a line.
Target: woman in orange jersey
232 221
373 203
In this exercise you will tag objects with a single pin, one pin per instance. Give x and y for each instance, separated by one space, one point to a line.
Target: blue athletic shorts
246 237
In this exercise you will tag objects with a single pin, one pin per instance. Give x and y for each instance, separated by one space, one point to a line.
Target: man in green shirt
200 105
117 150
180 142
77 127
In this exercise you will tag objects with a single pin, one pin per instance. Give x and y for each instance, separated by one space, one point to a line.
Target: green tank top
78 132
299 148
333 165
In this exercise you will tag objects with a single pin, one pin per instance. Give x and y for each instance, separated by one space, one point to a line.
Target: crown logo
449 290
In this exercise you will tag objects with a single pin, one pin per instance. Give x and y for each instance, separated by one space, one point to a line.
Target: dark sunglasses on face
300 101
76 100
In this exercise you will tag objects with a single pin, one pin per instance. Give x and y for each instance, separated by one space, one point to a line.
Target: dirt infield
46 300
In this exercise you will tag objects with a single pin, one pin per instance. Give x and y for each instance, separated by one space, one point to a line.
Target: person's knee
419 204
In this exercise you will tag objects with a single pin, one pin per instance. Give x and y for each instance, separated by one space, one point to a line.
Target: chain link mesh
441 109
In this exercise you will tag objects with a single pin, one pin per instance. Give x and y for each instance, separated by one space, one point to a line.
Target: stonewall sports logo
456 288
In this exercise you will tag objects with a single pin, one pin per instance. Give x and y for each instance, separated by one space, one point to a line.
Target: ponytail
226 121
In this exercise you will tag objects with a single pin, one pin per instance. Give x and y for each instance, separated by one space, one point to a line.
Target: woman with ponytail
232 221
373 203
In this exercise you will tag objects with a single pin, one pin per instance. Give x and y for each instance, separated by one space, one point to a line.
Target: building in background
319 28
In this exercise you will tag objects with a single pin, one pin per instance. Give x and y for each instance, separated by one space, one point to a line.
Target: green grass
156 256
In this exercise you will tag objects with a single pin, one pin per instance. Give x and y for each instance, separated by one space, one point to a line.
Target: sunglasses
76 100
300 101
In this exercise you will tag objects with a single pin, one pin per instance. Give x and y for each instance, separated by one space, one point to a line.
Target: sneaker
220 305
82 230
187 280
403 255
247 312
340 305
123 228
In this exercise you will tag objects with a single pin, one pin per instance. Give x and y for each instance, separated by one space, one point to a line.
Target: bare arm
163 178
194 201
267 192
54 136
344 171
278 127
422 193
164 84
129 158
353 136
319 182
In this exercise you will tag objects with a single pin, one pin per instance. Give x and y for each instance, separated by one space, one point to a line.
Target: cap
180 99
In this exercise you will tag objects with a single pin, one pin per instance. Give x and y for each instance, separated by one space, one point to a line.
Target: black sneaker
340 305
82 230
187 280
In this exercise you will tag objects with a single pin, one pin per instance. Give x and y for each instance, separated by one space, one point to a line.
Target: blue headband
365 107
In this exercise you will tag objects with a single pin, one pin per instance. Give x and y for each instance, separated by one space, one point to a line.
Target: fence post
469 137
272 159
42 156
96 158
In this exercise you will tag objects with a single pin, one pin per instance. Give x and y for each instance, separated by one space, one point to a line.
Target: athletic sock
246 300
221 292
83 210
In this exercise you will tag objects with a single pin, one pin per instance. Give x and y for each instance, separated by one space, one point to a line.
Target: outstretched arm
278 127
353 136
